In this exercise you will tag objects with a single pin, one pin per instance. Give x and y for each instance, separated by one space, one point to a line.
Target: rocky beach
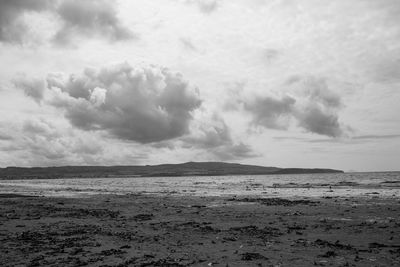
166 230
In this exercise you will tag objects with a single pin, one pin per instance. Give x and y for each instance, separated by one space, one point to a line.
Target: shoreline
149 230
285 186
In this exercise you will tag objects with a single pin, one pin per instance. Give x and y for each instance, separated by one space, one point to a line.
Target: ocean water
369 185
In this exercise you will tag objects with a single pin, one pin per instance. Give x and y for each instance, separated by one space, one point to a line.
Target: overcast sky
287 83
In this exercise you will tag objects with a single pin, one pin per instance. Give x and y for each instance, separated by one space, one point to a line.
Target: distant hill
183 169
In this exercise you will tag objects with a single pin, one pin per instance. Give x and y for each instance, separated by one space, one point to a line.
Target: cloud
38 140
318 109
235 151
78 18
315 120
12 29
271 54
188 44
34 88
348 140
40 127
315 89
386 70
89 18
271 112
211 133
43 139
145 105
205 6
374 137
5 137
214 137
309 102
43 142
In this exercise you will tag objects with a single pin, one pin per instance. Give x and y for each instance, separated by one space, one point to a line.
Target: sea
357 184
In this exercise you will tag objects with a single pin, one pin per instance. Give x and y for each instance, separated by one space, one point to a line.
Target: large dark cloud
145 105
78 18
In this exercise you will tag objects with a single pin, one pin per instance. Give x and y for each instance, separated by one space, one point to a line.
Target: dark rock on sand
250 256
275 201
251 230
143 217
336 245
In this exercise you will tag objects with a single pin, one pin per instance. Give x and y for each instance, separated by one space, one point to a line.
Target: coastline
149 171
162 230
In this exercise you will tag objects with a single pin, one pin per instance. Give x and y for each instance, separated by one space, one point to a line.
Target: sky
286 83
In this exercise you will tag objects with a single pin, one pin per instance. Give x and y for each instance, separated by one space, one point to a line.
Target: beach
199 133
167 230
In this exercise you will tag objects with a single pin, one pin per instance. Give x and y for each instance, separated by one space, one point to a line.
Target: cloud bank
41 142
145 105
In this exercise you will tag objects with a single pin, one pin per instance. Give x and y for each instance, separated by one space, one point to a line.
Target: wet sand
150 230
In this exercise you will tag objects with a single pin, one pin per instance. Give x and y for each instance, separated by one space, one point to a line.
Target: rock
250 256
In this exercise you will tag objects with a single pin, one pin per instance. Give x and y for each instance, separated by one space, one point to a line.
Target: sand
151 230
